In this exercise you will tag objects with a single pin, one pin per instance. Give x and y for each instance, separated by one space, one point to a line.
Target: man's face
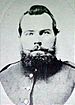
37 35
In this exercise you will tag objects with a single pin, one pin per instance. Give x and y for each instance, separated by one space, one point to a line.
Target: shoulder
71 68
9 66
11 69
69 64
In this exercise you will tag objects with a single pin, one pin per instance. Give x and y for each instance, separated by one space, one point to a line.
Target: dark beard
46 66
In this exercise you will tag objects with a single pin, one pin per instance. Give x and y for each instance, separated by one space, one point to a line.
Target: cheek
27 42
48 41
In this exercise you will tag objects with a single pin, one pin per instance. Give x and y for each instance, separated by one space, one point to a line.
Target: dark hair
38 10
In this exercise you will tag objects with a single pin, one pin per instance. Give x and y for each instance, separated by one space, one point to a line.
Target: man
39 78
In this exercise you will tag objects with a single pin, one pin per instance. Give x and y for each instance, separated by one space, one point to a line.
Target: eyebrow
29 31
42 31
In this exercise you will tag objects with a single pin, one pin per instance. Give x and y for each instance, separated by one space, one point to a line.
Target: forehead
36 22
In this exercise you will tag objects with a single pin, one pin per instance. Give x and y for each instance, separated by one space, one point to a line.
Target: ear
56 31
20 30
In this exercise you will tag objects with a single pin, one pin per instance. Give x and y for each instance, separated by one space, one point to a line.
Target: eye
28 33
31 33
47 32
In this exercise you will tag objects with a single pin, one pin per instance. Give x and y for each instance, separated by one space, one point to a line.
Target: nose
39 43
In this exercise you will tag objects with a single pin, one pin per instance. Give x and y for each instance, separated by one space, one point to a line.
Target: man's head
37 30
